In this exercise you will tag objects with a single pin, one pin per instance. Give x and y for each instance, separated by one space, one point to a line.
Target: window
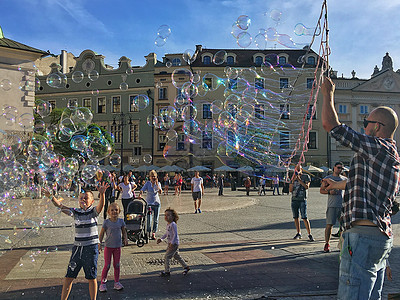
116 104
162 93
116 131
207 114
134 132
310 83
258 60
180 143
230 60
232 109
282 60
52 103
162 141
284 140
207 60
207 140
176 62
342 109
208 81
312 140
101 105
283 83
137 151
311 60
87 102
259 83
179 114
284 111
232 84
309 112
259 111
364 109
132 106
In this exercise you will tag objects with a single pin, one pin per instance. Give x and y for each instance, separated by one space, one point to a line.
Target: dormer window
258 60
311 60
176 62
207 60
282 60
230 60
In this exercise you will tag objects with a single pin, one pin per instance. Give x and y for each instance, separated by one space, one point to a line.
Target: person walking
128 192
197 191
335 199
370 191
112 228
263 181
153 189
171 235
221 185
299 186
247 185
275 182
166 183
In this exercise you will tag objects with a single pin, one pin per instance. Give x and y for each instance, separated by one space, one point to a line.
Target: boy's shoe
103 287
199 211
195 211
310 238
118 286
297 236
165 274
326 248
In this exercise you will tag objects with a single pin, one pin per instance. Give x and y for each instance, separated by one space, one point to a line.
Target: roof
7 43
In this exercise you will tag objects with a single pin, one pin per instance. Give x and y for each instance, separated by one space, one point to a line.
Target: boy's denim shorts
299 205
86 257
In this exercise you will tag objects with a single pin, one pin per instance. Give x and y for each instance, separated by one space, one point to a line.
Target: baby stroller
135 220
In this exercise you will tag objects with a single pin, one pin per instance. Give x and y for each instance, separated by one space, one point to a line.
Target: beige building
17 84
355 98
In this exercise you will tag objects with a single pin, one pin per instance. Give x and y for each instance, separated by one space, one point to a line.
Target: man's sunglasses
366 122
339 167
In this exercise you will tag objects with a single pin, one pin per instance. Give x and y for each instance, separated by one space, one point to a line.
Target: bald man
369 194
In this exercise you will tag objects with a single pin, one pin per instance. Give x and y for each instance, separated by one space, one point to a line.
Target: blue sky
361 31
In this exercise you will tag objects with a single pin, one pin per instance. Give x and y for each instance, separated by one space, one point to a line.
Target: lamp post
122 122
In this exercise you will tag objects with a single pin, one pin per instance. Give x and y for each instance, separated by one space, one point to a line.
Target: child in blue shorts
85 251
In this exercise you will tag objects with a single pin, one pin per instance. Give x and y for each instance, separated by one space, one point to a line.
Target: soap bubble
129 71
115 160
276 15
89 174
10 114
147 158
271 34
98 148
54 80
244 39
26 121
93 75
70 166
220 57
43 108
77 76
164 31
172 135
159 41
141 101
123 86
5 84
243 22
177 74
39 127
189 56
72 103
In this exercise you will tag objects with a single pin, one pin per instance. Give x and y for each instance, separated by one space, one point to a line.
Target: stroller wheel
131 236
140 243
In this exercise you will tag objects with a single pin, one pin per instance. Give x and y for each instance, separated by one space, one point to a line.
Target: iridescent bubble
272 58
172 135
98 149
78 143
26 121
36 148
39 127
5 84
129 71
217 106
72 103
181 99
88 174
180 76
10 114
189 112
164 31
51 131
147 158
276 15
77 76
271 34
244 39
64 182
43 108
93 75
67 126
189 56
225 120
267 69
123 86
235 31
54 80
152 121
141 101
220 57
286 41
168 64
81 117
260 41
159 41
115 160
37 84
63 136
95 92
189 89
70 166
243 22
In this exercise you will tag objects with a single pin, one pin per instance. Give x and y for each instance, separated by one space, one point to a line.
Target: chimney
64 61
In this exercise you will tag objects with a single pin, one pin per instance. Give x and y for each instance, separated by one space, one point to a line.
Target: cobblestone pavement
239 248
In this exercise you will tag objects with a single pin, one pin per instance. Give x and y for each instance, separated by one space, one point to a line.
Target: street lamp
122 122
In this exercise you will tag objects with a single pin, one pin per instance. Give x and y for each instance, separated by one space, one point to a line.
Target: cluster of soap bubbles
258 119
244 38
163 32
